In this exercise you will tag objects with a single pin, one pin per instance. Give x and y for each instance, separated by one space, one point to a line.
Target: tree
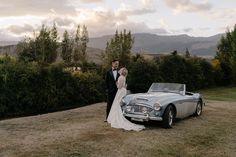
187 53
67 47
26 50
77 45
45 45
42 49
119 48
208 73
54 39
227 55
84 42
137 57
80 44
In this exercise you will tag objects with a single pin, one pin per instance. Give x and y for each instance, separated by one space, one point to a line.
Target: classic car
163 102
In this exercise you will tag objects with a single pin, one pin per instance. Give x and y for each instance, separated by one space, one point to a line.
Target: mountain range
146 43
156 44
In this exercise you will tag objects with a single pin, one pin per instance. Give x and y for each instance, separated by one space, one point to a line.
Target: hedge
30 88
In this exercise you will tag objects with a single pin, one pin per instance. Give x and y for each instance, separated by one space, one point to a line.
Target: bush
177 69
29 88
208 74
16 77
55 88
141 75
90 87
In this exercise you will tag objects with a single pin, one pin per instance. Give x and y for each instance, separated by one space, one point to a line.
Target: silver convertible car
163 102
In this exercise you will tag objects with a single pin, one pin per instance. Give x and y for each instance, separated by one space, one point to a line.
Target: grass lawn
81 132
220 94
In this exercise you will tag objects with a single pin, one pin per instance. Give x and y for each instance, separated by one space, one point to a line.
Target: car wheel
198 111
168 117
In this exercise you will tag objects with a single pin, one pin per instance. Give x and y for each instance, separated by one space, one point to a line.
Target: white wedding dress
115 117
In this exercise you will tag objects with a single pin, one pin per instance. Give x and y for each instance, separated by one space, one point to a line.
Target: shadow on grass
158 124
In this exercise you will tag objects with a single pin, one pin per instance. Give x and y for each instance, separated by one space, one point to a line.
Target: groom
111 88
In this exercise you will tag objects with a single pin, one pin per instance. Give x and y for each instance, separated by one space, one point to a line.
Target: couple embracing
116 90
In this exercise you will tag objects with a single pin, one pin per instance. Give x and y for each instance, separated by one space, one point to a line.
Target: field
221 93
82 132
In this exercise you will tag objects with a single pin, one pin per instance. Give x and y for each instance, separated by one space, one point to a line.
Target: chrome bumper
138 117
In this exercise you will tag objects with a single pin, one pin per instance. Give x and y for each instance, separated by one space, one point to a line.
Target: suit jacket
111 81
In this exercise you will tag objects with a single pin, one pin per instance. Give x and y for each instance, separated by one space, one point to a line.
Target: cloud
187 30
141 27
101 21
224 14
61 21
19 30
35 7
147 3
142 11
91 1
5 36
131 11
188 6
134 27
67 14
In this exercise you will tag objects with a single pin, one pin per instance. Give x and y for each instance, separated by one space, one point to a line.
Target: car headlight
157 106
128 108
144 109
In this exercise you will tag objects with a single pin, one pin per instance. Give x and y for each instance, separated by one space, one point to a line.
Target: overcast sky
19 18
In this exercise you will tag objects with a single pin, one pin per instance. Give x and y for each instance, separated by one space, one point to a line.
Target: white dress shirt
114 73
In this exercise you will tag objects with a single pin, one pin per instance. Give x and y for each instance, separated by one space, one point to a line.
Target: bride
115 117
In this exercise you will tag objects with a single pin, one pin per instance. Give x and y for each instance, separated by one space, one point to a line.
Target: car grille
138 108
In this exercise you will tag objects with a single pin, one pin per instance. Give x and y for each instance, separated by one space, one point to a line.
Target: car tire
168 117
198 111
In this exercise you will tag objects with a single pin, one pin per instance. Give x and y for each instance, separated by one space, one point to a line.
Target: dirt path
82 132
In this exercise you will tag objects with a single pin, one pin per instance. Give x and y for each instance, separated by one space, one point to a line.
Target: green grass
220 93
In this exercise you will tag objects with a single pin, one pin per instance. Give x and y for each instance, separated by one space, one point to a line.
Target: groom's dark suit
111 89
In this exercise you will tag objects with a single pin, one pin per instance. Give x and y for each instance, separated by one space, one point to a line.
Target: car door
190 105
181 107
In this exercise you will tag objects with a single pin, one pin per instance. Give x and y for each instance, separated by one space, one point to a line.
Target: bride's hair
123 71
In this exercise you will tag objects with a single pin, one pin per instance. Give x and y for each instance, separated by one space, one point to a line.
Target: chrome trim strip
146 118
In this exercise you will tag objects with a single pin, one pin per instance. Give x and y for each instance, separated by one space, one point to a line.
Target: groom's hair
114 60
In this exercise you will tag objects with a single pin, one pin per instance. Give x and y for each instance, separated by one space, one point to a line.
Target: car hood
153 97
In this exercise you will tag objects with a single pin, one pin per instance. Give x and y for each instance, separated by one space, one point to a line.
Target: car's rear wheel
198 111
168 117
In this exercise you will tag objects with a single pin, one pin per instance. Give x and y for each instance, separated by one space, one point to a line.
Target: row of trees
44 47
196 72
74 48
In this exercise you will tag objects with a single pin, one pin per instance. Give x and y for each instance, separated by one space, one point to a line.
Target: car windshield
168 87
